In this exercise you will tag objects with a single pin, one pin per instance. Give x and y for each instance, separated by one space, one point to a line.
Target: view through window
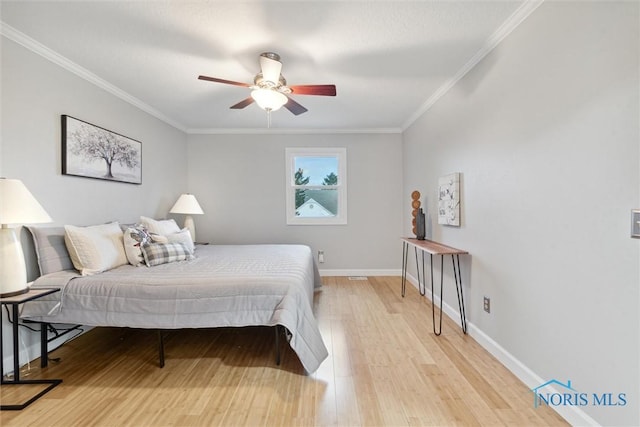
316 190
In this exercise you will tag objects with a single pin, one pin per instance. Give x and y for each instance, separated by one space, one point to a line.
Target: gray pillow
51 250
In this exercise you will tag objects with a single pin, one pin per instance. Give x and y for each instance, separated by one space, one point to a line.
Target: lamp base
190 225
13 272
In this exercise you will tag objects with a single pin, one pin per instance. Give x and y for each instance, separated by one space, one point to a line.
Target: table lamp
17 206
187 204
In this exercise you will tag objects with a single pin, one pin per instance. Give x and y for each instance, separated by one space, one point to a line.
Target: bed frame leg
161 348
277 328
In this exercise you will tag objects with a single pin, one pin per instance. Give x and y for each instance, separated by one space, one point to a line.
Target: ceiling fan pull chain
268 118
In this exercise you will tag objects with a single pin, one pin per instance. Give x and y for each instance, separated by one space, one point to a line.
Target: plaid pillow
162 253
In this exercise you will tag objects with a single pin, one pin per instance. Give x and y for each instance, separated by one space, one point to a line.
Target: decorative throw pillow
183 236
134 238
163 227
158 238
163 253
95 249
124 227
51 250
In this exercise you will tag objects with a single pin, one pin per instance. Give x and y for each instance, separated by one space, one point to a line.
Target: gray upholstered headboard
30 257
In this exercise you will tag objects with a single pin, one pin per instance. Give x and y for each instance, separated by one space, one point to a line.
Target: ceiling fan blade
294 107
228 82
324 90
270 69
244 103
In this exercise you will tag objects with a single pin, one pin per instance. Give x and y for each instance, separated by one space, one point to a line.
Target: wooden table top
433 248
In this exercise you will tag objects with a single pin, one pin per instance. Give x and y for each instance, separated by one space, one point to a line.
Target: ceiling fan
270 90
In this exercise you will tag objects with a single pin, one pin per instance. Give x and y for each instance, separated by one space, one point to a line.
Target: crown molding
290 131
491 43
22 39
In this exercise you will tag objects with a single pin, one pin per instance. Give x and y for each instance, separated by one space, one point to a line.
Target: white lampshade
187 204
17 206
269 99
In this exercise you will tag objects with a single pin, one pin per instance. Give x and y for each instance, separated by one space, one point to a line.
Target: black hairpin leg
422 288
433 301
458 278
415 249
405 255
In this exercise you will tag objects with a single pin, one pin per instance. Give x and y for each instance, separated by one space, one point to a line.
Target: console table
434 248
14 302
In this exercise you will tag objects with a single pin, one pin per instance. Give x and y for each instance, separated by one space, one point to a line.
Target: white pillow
183 236
158 238
96 248
164 227
134 238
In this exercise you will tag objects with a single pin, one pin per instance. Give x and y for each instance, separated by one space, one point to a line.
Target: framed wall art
449 199
93 152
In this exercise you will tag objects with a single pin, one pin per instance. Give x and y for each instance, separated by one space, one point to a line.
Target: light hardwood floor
385 368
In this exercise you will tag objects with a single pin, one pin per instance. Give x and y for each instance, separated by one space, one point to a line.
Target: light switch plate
635 223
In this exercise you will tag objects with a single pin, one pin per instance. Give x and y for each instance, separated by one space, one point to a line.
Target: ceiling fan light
269 99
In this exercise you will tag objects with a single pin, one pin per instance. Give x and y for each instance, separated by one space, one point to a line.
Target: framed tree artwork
93 152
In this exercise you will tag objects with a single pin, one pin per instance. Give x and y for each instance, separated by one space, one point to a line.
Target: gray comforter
237 285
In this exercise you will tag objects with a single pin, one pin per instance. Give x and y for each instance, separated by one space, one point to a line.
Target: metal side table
14 302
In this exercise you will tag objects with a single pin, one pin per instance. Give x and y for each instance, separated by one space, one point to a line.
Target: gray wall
35 92
240 182
545 134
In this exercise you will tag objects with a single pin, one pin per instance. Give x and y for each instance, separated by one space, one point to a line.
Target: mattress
225 285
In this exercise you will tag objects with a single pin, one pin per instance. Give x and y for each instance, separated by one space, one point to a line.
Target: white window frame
341 155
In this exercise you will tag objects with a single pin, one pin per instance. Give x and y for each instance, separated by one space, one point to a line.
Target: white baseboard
573 415
363 272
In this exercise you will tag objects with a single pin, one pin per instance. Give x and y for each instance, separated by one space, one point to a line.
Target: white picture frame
449 200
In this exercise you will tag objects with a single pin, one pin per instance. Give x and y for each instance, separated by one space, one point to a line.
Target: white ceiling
389 59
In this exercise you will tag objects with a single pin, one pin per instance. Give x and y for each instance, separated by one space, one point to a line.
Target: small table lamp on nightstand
17 206
187 204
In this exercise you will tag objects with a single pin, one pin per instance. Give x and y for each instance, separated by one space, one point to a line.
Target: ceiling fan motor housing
281 85
271 55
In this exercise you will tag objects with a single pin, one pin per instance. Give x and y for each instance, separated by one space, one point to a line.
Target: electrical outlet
635 223
487 304
321 257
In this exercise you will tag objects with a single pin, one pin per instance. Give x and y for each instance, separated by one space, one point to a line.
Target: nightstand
15 302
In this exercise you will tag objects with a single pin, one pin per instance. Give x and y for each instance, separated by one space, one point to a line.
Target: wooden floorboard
385 368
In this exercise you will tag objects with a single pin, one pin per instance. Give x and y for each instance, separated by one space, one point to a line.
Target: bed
222 286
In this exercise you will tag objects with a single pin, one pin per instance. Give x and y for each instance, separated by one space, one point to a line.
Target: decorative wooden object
415 204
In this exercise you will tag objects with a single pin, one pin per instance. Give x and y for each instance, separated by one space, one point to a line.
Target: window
316 186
